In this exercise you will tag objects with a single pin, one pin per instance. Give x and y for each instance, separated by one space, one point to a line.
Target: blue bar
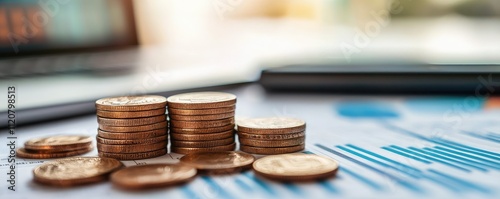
430 158
463 182
401 182
260 183
466 155
444 143
406 155
328 186
496 135
493 139
189 193
470 148
221 193
384 158
447 159
404 171
247 188
294 189
362 179
461 158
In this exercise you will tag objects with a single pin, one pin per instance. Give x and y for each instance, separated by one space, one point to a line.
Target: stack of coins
55 147
132 127
268 136
202 122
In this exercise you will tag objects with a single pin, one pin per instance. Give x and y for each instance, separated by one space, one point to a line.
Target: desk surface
388 147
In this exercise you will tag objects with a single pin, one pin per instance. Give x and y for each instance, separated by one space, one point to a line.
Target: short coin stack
268 136
55 147
132 127
202 122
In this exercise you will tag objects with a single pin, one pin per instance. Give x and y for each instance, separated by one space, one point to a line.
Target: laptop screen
30 27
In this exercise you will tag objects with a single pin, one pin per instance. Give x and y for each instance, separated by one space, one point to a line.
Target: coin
243 135
272 143
59 143
186 150
23 153
219 162
272 125
123 129
203 144
132 148
131 135
201 137
152 176
131 122
131 103
134 156
271 151
131 114
75 171
295 167
203 130
201 117
201 100
211 111
201 124
151 140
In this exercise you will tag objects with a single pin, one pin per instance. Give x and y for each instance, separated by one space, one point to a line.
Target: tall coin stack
202 122
269 136
132 127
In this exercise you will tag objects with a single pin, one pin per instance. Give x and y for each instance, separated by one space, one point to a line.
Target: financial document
387 147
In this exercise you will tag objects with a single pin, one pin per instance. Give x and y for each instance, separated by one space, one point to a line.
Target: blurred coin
131 114
271 125
143 128
131 148
152 176
23 153
203 130
132 135
187 150
75 171
243 135
131 103
201 137
134 156
211 111
272 143
201 124
201 100
295 167
201 117
219 162
271 151
202 144
59 143
151 140
131 122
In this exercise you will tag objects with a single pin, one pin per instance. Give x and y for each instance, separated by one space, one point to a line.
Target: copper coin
201 117
272 125
131 148
203 130
152 176
186 150
201 100
134 156
211 111
202 144
243 135
126 129
131 103
59 143
272 143
201 124
219 162
200 137
75 171
152 140
23 153
131 135
131 122
295 167
131 114
271 151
